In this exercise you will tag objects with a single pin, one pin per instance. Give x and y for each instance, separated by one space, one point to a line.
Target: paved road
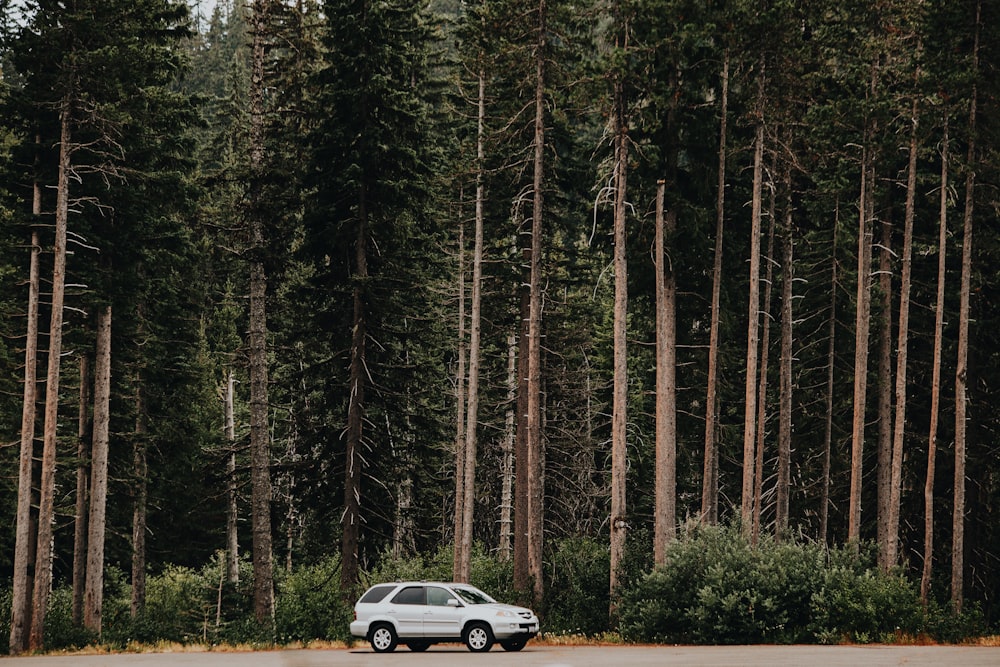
550 656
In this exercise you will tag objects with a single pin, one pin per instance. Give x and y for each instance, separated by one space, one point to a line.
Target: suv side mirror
452 602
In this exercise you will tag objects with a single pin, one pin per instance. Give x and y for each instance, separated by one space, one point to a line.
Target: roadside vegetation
715 588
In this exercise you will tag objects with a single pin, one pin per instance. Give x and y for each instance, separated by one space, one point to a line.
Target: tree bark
762 384
861 329
472 414
885 389
82 482
25 531
507 452
902 338
93 597
961 367
665 517
831 349
925 577
619 413
709 491
460 400
140 470
753 316
46 508
536 457
232 510
260 441
783 485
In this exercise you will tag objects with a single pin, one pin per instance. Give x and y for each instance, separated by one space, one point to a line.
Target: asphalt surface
547 656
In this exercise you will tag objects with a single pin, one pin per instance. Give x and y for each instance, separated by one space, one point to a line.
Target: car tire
513 644
478 637
383 638
418 647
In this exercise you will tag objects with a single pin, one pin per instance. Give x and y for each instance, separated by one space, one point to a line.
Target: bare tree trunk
26 532
260 440
861 328
460 399
93 598
885 389
925 578
709 492
82 482
522 576
141 472
785 417
472 414
507 462
903 337
232 510
619 444
753 326
46 508
665 515
536 457
961 367
763 363
824 509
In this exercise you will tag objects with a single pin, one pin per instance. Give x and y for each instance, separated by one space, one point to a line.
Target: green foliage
576 595
309 605
716 588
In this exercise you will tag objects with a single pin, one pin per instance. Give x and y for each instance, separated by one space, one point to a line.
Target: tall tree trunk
831 349
536 455
46 507
961 367
140 469
925 577
885 389
507 462
93 597
619 412
785 417
665 515
709 492
522 575
902 338
753 316
460 400
260 440
862 326
232 510
763 363
82 482
25 531
472 414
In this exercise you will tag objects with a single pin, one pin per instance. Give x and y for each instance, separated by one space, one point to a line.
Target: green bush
576 591
716 588
310 605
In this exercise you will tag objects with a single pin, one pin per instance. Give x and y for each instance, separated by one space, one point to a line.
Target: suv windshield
473 596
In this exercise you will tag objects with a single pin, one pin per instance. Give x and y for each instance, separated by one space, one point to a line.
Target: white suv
420 613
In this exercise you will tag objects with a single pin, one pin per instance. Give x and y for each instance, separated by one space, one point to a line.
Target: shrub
576 591
310 605
716 588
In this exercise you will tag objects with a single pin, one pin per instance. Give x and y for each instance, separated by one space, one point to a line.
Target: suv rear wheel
383 638
478 637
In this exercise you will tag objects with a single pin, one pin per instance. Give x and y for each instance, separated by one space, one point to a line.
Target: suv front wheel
479 637
383 638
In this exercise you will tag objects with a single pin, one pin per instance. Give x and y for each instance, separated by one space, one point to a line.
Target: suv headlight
503 613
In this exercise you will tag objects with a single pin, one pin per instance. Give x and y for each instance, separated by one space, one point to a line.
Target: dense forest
286 280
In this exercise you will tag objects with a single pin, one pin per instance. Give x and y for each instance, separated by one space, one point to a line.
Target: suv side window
410 595
438 597
376 594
